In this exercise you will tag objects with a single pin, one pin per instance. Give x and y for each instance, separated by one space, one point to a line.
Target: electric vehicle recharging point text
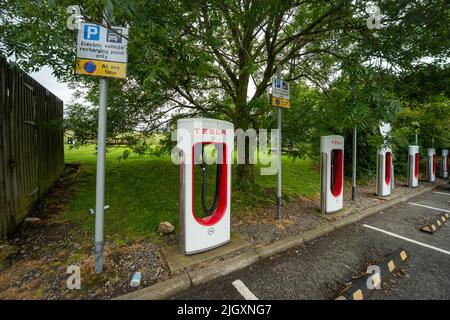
331 173
413 166
384 172
431 164
444 163
204 143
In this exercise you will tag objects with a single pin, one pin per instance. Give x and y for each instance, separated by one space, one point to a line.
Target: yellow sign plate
101 68
282 103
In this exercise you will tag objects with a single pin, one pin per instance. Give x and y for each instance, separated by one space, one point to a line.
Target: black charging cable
208 211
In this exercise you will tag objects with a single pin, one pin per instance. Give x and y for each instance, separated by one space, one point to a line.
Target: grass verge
142 191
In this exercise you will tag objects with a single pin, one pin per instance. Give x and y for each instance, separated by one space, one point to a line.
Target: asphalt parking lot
321 269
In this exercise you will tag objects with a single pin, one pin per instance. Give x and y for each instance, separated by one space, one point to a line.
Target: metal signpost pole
101 51
354 164
279 153
100 181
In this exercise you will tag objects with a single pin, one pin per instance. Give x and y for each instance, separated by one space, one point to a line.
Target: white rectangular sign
280 89
100 43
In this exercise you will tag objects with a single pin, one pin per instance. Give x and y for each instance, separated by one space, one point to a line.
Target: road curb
279 246
160 290
173 286
223 268
318 232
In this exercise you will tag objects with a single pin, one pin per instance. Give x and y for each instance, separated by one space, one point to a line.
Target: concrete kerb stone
223 268
279 246
318 232
345 221
159 291
180 283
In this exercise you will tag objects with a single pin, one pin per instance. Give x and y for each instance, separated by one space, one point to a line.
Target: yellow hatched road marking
391 266
403 255
357 295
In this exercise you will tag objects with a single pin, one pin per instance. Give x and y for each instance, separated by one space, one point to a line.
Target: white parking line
243 290
433 208
408 239
446 193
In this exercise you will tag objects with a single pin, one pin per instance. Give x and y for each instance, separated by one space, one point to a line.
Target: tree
199 57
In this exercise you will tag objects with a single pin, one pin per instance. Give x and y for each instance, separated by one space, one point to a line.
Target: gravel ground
299 214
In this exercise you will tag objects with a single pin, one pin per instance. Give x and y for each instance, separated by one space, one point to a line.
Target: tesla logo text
218 132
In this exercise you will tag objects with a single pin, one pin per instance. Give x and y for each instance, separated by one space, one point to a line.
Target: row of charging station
332 173
414 162
332 177
205 143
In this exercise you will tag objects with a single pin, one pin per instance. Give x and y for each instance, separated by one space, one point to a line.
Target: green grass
142 191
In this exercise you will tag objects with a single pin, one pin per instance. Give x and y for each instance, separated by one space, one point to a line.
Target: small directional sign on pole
280 94
102 51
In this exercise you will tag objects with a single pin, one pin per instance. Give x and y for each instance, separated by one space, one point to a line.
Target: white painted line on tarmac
446 193
243 290
408 239
433 208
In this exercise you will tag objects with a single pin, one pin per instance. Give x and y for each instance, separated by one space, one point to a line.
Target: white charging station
331 173
201 231
444 163
413 166
384 172
431 164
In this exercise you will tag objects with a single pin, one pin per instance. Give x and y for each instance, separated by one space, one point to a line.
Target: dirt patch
45 246
298 214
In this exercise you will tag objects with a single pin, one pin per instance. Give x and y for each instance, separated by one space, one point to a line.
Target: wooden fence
31 144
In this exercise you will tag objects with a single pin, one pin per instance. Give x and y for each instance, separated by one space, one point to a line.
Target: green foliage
197 58
431 120
359 98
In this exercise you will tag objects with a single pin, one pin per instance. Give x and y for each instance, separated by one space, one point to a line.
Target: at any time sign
280 93
102 51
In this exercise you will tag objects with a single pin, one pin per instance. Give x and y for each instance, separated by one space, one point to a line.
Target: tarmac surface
320 269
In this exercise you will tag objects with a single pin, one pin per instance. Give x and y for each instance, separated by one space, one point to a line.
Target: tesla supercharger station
384 172
204 144
431 164
413 166
331 173
444 163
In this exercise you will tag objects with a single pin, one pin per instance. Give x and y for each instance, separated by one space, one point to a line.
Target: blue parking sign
91 32
277 83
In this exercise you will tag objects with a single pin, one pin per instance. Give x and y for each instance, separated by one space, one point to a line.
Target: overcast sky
60 89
